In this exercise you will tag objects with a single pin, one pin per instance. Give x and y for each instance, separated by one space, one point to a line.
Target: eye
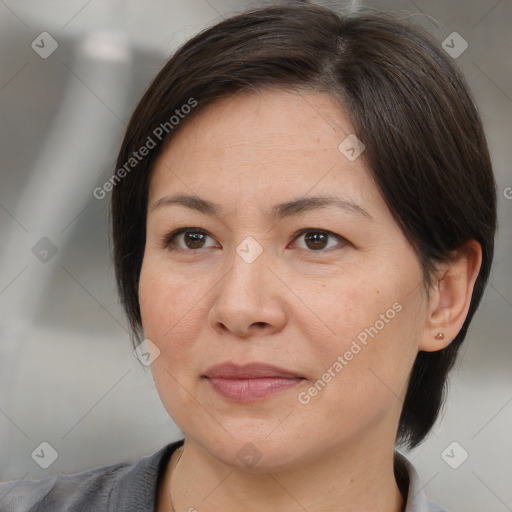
192 239
316 240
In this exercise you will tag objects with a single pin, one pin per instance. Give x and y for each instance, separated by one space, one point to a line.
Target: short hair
425 146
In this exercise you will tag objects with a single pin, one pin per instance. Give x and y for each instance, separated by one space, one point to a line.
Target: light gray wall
67 373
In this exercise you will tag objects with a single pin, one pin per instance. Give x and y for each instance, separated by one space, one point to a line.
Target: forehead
278 119
265 146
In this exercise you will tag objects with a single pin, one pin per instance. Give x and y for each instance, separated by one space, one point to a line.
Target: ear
450 296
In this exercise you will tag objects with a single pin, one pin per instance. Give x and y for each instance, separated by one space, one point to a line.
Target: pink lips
250 382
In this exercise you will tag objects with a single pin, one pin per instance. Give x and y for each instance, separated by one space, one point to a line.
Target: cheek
371 320
366 315
170 303
169 308
169 300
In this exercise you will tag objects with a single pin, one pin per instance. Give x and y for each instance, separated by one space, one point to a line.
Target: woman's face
338 308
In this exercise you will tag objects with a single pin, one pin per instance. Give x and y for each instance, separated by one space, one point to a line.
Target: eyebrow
279 211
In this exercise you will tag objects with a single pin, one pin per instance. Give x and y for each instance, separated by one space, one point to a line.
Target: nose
249 298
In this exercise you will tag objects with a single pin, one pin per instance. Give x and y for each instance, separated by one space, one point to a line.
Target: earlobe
451 297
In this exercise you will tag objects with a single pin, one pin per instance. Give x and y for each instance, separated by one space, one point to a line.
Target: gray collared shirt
131 487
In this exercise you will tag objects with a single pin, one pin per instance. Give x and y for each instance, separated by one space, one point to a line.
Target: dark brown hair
407 102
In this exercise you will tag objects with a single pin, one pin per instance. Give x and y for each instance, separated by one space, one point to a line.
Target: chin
254 453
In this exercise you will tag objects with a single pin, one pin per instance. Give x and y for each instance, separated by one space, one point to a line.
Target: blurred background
71 73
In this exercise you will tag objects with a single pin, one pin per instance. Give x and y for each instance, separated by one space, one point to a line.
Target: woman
303 221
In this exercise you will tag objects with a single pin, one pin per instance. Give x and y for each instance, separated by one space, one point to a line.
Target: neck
340 480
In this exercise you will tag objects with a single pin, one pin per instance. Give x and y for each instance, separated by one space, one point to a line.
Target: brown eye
190 238
193 239
318 240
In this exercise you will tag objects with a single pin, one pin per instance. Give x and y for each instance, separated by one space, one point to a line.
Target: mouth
250 382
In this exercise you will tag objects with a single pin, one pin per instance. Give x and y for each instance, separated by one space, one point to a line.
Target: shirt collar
417 500
137 486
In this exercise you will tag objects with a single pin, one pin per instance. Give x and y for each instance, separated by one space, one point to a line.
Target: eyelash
167 240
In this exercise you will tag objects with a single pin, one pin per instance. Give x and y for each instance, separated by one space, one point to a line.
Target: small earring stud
439 336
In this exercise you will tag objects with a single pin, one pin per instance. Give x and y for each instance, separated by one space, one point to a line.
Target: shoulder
62 492
417 500
129 485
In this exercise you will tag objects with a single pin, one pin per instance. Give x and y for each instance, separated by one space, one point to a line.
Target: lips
250 382
248 371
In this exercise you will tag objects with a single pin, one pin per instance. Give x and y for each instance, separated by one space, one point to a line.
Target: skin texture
297 305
